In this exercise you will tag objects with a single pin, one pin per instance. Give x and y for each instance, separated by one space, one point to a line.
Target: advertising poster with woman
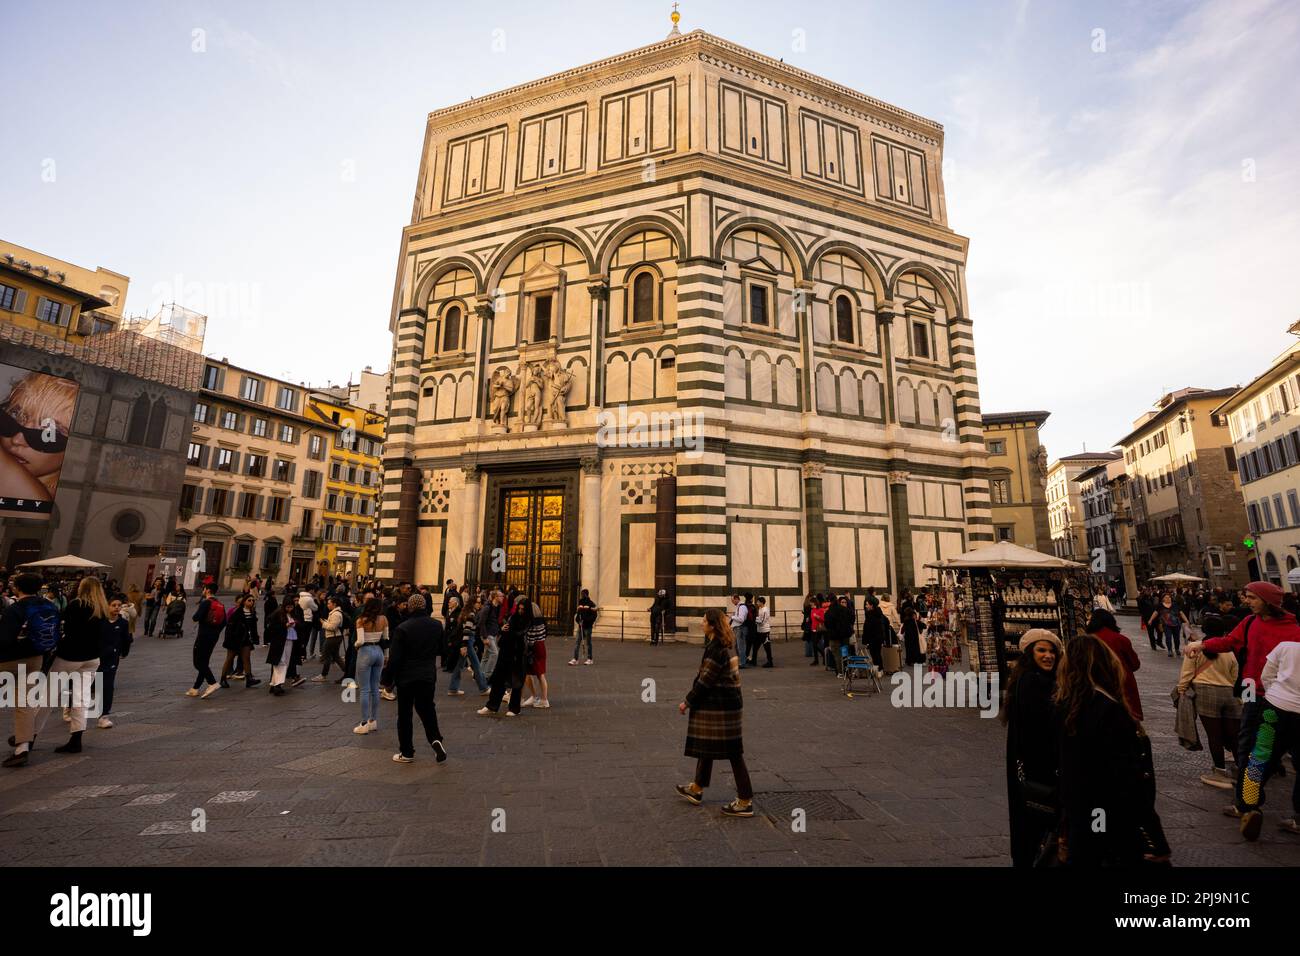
35 422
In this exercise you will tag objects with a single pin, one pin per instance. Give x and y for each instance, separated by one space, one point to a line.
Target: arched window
451 329
157 424
139 427
844 319
643 298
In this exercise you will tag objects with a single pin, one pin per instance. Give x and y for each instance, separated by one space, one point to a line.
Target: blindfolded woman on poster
35 419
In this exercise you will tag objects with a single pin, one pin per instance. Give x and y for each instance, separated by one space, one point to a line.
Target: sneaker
527 702
574 662
588 662
1223 773
104 723
511 713
690 795
1212 780
485 712
192 692
1290 825
1252 821
387 695
455 693
402 758
484 693
319 679
211 689
735 809
361 729
542 705
298 681
440 750
1231 811
373 726
253 682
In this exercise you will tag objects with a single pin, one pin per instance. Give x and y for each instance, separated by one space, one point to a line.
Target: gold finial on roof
676 17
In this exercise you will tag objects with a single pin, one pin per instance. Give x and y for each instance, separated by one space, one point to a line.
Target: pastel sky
1126 171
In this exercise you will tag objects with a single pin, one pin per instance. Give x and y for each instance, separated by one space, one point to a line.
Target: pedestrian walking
535 657
715 708
1106 771
1170 620
584 620
332 628
153 602
1279 735
1028 713
660 609
84 622
1102 625
211 618
372 639
115 645
462 652
1210 679
174 614
239 640
738 621
281 633
763 630
511 668
29 628
413 663
488 626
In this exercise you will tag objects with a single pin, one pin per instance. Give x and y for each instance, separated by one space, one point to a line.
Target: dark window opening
758 314
844 319
541 318
643 290
920 340
451 329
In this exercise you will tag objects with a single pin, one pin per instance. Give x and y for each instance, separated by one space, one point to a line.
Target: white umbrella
1004 554
1178 578
67 561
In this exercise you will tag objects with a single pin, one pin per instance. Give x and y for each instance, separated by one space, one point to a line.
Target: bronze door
533 532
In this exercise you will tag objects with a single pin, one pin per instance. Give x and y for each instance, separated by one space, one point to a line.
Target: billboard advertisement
36 413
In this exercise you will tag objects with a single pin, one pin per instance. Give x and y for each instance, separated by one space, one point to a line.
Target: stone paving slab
284 781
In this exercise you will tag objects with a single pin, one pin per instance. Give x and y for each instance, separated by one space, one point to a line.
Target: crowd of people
1076 749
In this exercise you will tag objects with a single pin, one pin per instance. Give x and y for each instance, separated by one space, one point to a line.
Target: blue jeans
489 654
370 661
740 646
1172 635
584 633
479 679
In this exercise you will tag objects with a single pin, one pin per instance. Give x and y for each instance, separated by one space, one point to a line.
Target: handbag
1039 797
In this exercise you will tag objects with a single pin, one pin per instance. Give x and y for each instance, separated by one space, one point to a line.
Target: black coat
1033 744
838 622
277 635
82 634
241 630
511 647
417 644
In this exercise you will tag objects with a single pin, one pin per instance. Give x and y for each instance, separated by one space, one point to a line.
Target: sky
1126 172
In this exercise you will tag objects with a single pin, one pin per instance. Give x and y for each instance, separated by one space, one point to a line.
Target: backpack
216 614
42 624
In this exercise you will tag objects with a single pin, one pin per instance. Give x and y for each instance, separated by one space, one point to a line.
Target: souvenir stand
1003 590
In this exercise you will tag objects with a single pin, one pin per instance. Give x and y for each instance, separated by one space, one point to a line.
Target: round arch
773 231
862 257
532 238
429 278
643 223
937 279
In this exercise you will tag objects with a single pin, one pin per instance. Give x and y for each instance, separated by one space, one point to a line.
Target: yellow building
1018 478
352 485
57 298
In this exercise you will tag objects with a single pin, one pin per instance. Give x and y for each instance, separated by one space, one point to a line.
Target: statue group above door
543 385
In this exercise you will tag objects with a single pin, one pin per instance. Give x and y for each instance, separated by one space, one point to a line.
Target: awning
1004 554
68 561
1293 576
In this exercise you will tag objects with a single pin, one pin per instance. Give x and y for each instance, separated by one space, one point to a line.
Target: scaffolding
173 324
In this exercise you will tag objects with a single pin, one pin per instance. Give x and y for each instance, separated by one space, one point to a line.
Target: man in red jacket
1102 626
1266 628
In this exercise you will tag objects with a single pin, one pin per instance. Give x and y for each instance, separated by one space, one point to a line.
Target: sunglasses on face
35 437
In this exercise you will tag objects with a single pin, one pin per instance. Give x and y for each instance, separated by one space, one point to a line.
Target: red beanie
1266 592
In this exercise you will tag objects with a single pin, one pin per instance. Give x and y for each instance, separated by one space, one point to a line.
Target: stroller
174 619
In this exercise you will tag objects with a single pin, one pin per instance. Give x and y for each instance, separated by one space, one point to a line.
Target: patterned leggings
1279 732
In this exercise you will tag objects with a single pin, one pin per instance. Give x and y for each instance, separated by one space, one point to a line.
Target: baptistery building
686 319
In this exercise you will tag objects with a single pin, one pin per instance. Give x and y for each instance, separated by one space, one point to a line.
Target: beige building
1018 478
1096 498
255 477
1185 497
57 298
686 318
1065 513
1264 424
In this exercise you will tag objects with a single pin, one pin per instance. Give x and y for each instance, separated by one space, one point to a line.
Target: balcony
1166 541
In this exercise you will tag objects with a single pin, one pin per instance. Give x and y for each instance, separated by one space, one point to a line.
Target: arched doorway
1271 569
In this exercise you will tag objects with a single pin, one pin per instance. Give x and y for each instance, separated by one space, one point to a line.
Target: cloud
1121 247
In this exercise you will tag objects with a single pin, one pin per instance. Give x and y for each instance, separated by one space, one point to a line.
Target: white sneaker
588 662
361 729
527 702
485 712
387 695
573 662
192 692
104 723
455 693
373 726
542 705
398 758
511 713
211 689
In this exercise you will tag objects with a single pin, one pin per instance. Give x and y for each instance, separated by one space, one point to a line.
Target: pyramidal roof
702 39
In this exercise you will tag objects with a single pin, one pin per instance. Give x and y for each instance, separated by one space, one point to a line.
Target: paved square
245 778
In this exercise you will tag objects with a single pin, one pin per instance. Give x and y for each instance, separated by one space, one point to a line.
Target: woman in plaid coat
715 705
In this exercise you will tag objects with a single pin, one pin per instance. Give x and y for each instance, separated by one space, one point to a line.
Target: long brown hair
1088 665
721 627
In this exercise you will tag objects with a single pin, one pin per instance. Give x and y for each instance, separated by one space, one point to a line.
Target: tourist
660 609
1032 755
239 641
372 638
715 705
307 621
115 644
413 664
28 628
332 627
585 618
1280 681
806 628
1171 620
1102 625
84 623
281 636
269 604
817 621
1106 771
462 650
449 592
487 627
738 622
1211 677
153 603
838 620
1258 634
211 618
763 628
535 651
912 653
174 613
1146 608
510 670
